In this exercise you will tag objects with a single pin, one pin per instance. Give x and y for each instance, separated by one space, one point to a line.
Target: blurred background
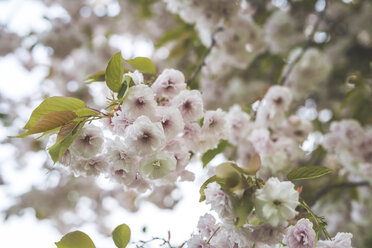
49 47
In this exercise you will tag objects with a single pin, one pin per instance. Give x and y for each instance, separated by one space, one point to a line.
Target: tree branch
307 45
325 191
198 69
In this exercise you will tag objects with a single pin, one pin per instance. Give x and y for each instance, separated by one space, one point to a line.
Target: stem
316 219
209 240
325 191
307 45
198 69
96 110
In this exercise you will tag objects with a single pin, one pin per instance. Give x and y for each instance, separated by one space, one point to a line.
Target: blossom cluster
151 135
272 135
269 225
352 145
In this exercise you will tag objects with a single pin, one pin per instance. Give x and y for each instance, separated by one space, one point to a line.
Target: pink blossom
341 240
302 235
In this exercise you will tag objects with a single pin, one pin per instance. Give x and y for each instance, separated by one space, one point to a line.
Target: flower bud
229 174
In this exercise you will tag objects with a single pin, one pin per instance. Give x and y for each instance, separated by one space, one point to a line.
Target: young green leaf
210 154
66 130
75 239
123 89
86 112
50 121
172 34
142 64
53 104
121 236
65 137
115 72
229 174
308 172
96 77
204 186
243 208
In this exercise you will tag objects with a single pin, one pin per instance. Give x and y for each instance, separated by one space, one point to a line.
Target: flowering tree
280 89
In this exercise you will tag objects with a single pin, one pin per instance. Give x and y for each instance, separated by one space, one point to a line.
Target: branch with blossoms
320 16
152 129
205 55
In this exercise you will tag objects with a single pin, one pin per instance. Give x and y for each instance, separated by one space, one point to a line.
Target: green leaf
53 104
122 90
142 64
204 186
96 77
65 137
171 35
121 236
308 172
66 130
75 239
243 208
86 112
114 72
210 154
50 121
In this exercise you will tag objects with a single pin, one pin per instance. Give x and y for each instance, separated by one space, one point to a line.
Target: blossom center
146 136
278 101
156 164
140 101
187 105
170 85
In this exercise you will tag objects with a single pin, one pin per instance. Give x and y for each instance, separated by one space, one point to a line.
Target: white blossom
341 240
89 142
136 76
276 201
262 143
207 225
308 73
169 84
171 119
346 134
197 242
158 165
190 104
280 32
144 137
273 106
219 201
191 135
120 121
302 235
139 101
215 124
119 156
239 124
90 167
266 234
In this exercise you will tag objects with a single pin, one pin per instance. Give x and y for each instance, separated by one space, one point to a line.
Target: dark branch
325 191
307 45
198 69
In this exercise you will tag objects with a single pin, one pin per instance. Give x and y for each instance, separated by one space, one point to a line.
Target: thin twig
198 69
144 242
325 191
214 233
307 45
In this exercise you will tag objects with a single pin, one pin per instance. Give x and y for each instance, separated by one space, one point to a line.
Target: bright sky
23 16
